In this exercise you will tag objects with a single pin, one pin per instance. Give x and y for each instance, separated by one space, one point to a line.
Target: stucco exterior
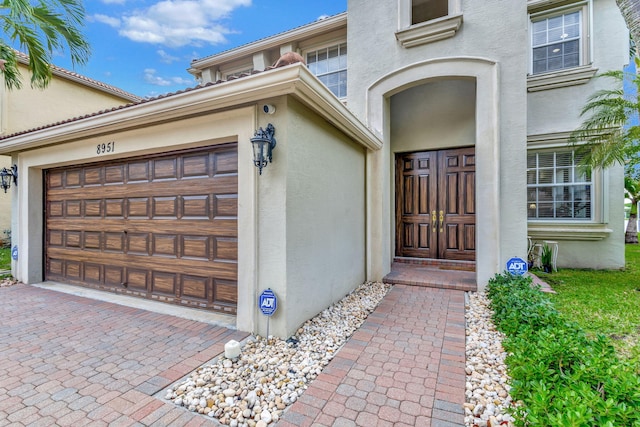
287 217
321 219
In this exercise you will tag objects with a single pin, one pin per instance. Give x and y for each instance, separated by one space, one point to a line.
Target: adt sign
268 302
517 266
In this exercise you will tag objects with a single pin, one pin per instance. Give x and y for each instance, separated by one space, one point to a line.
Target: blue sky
145 46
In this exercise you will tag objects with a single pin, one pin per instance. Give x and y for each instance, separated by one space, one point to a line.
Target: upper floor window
330 66
426 10
557 188
559 40
427 21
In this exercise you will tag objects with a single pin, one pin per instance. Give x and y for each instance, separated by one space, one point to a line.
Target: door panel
416 182
435 204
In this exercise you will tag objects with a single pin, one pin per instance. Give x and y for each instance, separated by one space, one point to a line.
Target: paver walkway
403 367
68 360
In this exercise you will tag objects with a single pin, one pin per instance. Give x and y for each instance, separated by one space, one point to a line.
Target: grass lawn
603 302
5 259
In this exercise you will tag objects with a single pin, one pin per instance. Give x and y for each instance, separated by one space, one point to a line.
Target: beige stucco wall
5 202
379 67
27 108
435 115
312 217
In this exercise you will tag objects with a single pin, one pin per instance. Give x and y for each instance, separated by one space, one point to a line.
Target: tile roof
132 104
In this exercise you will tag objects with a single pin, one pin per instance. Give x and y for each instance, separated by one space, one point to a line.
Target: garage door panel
93 176
196 166
226 248
217 226
114 174
93 208
195 287
92 240
227 162
113 276
73 208
196 207
136 278
226 291
138 243
93 273
219 184
163 227
73 178
165 169
165 207
164 283
114 208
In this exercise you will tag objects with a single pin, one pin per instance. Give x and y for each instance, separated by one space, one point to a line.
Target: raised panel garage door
162 227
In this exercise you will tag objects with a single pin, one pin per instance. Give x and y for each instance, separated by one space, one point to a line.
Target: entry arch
379 163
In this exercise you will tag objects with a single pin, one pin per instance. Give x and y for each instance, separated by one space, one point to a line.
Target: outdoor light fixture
263 144
6 175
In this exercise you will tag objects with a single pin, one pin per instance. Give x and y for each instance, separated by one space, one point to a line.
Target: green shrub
560 377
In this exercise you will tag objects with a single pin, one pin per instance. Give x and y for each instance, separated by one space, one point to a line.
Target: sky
145 46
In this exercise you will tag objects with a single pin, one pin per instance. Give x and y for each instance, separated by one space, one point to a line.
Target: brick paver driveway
68 360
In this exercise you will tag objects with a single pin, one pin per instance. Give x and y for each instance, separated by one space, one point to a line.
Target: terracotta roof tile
122 107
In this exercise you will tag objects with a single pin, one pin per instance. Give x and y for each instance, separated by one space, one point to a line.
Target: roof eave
295 80
319 27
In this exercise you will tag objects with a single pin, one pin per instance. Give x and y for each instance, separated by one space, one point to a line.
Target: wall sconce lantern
263 144
7 175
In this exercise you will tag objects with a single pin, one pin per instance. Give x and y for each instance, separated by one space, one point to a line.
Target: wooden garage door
162 227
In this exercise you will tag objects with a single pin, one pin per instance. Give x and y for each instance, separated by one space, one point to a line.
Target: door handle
433 221
441 221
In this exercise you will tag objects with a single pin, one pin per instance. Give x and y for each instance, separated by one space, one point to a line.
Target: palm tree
630 10
40 28
606 137
632 191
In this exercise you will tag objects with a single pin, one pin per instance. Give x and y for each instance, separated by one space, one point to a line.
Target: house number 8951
108 147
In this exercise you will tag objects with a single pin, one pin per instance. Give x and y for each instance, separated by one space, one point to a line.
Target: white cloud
167 58
178 23
112 22
151 77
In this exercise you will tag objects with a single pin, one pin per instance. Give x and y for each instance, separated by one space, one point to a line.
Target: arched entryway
479 129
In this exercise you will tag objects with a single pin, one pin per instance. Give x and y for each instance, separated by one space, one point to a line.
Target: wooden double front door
435 204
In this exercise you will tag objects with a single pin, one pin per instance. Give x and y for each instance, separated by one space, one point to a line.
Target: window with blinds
557 187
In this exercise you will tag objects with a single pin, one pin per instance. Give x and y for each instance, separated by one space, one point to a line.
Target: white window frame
327 46
592 229
410 35
569 76
553 172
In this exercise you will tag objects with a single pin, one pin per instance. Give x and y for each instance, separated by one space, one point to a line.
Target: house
437 135
67 95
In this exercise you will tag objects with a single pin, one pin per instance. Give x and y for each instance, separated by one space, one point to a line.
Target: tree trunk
631 234
630 10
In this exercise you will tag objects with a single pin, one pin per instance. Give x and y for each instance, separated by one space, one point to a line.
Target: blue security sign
517 266
268 302
14 253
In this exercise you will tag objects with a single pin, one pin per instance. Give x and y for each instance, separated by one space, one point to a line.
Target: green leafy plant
545 257
560 376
